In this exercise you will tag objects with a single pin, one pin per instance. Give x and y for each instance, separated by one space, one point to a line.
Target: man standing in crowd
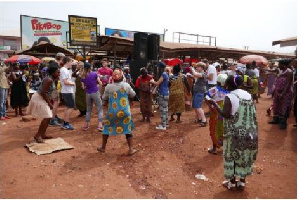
198 93
3 91
211 75
232 69
105 73
55 94
67 91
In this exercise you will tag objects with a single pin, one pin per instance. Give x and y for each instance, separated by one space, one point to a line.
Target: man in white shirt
211 75
67 91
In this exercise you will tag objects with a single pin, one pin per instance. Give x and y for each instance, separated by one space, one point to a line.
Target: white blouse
235 102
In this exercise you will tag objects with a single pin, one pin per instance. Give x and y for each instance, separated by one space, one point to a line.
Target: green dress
80 96
240 141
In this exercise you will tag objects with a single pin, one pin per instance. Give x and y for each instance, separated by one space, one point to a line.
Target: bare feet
47 137
100 149
38 139
131 152
172 119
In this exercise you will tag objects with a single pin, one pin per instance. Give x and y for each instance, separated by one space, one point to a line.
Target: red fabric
106 74
141 79
173 61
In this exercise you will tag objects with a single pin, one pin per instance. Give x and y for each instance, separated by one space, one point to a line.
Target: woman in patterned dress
118 117
188 96
216 126
176 100
240 139
271 76
283 95
80 96
143 85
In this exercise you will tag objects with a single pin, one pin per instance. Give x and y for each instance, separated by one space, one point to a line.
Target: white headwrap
222 78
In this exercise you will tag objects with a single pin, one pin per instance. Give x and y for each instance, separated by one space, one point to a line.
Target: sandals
240 185
197 121
229 185
203 124
85 128
212 151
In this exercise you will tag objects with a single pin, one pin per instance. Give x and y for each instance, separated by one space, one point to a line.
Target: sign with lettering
83 30
35 30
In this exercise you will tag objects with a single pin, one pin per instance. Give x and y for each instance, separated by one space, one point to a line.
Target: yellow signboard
83 30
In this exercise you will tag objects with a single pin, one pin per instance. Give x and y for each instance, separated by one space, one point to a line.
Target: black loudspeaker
153 46
135 66
140 47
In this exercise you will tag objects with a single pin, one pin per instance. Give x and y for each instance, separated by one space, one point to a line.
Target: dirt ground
165 166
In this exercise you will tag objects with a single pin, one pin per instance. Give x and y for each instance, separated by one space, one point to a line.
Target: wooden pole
84 55
115 53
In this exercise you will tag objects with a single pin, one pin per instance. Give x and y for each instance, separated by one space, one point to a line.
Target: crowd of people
229 90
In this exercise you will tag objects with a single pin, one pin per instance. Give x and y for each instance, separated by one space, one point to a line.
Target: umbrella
47 59
260 60
23 59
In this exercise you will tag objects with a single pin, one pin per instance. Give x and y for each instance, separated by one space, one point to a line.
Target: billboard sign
125 33
82 30
35 29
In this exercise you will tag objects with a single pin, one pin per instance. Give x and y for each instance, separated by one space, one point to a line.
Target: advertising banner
125 33
82 30
35 29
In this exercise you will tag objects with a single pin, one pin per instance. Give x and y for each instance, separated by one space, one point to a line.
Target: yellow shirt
58 86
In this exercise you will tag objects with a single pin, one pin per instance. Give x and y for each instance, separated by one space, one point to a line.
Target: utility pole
165 30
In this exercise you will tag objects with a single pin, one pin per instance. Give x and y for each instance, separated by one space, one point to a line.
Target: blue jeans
3 98
197 100
90 98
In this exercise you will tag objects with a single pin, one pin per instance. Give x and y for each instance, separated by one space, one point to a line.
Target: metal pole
179 38
173 36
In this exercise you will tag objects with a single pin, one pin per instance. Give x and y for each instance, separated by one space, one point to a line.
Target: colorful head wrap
117 74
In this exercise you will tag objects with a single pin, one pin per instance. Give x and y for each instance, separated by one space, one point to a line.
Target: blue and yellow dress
118 117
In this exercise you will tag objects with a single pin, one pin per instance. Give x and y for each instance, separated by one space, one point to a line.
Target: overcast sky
253 23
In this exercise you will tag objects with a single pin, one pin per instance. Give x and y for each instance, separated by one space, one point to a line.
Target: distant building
8 45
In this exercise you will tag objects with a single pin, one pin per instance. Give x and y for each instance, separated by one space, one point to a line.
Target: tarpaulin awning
292 41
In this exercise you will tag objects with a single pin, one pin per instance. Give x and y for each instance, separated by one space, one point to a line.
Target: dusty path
164 167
